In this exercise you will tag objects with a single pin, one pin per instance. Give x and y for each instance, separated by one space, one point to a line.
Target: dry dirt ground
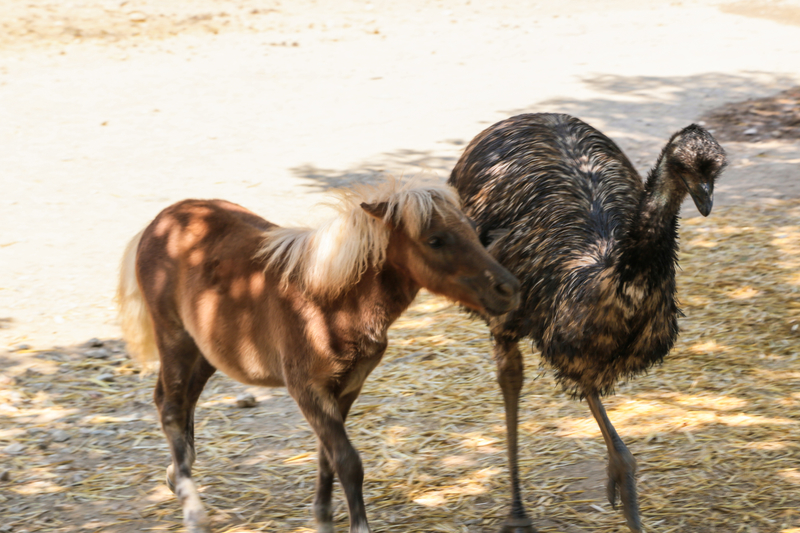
111 110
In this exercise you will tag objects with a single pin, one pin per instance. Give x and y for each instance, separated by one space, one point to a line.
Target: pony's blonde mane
326 260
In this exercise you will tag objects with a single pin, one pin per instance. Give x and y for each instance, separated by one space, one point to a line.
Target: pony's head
419 229
433 242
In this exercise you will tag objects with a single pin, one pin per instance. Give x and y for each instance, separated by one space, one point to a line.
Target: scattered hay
715 430
775 117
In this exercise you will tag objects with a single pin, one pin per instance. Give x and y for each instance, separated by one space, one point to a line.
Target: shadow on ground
713 430
639 113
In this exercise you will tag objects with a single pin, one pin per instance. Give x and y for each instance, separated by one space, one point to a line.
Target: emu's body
560 206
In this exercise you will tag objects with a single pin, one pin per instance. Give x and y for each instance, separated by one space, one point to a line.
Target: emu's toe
622 484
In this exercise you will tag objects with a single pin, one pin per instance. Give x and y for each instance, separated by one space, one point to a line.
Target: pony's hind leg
183 374
323 508
201 373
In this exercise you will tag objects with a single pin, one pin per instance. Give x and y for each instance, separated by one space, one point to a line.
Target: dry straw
715 430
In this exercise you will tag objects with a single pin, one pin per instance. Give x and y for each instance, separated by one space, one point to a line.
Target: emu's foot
171 478
518 525
622 483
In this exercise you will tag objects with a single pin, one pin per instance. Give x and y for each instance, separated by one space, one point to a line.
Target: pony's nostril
505 289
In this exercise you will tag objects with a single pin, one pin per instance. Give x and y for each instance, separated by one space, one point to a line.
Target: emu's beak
703 196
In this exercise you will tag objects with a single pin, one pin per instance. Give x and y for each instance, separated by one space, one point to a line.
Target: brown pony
209 285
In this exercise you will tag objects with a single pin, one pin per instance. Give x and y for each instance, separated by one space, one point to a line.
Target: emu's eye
436 242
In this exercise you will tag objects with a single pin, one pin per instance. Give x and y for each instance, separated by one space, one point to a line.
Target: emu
560 206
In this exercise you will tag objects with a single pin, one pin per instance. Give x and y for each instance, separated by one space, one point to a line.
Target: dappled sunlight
743 293
472 485
640 418
794 279
716 403
643 417
159 494
708 347
787 239
792 475
45 415
106 419
482 443
458 461
703 243
301 458
768 445
714 429
396 433
38 487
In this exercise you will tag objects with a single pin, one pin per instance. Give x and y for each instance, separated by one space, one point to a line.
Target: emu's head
695 157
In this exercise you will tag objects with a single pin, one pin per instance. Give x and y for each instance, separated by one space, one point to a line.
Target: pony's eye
436 242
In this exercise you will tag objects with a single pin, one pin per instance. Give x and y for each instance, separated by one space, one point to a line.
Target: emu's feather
595 248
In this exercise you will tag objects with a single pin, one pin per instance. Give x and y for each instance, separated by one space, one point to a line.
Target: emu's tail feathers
137 327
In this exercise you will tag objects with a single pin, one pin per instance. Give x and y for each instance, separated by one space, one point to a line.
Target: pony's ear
377 210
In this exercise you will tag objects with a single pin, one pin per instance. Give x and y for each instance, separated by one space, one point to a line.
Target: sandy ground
112 110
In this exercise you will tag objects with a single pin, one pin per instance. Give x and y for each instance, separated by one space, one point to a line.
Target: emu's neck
661 204
649 250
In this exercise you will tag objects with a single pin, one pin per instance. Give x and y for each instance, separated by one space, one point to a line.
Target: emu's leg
510 375
323 413
621 466
323 509
175 395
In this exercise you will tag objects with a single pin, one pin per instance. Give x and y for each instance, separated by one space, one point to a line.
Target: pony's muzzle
505 289
504 295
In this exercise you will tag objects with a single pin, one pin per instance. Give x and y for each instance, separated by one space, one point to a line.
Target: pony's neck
391 293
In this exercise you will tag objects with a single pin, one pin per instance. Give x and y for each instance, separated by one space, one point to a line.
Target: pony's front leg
324 414
323 507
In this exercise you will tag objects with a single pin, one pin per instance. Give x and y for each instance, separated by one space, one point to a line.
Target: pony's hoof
518 525
199 528
324 527
171 478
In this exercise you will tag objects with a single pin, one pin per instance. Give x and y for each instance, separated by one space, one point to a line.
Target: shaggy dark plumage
561 207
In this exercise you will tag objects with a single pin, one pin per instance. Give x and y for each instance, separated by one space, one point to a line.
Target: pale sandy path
96 138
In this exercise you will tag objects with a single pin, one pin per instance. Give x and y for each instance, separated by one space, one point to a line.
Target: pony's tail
137 326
